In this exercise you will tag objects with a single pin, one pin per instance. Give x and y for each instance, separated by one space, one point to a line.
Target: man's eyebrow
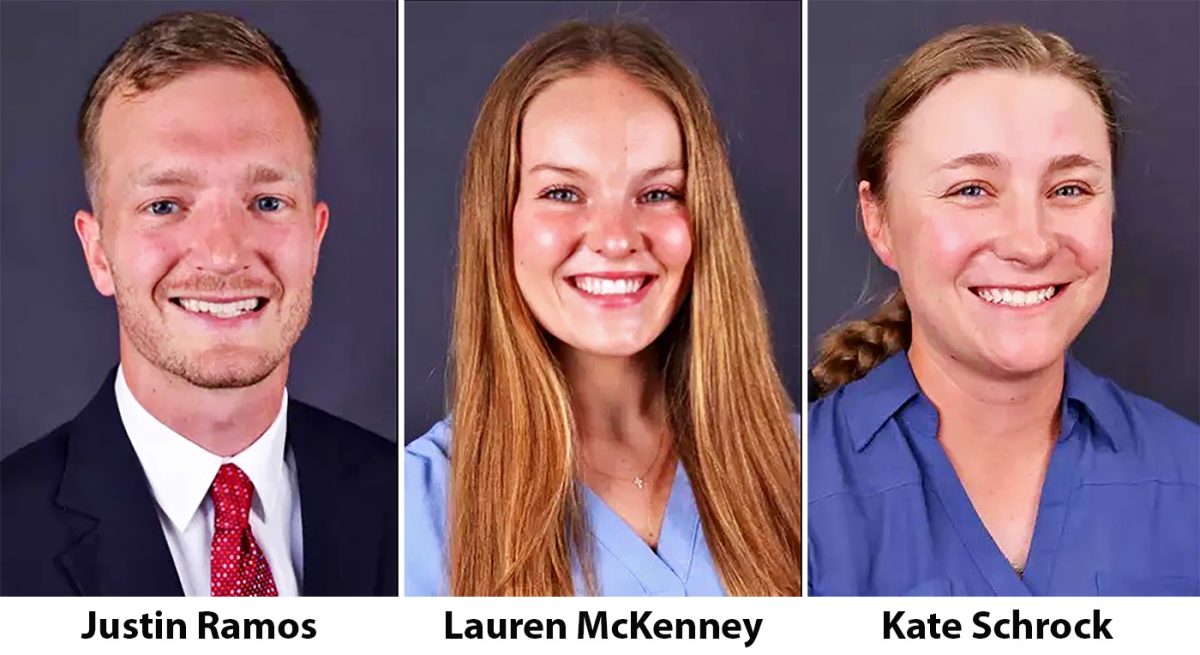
254 174
263 174
1074 160
167 177
980 159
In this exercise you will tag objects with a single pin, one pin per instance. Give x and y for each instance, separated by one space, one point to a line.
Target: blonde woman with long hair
960 449
617 423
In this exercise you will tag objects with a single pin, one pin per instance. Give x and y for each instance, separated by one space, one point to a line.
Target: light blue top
1119 513
624 564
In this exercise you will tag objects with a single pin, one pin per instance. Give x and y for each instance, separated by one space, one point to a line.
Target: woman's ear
875 224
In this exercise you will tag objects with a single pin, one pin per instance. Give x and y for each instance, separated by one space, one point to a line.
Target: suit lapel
341 538
118 547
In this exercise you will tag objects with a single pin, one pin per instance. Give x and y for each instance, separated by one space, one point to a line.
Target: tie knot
231 493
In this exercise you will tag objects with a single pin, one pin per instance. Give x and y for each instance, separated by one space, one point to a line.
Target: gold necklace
638 481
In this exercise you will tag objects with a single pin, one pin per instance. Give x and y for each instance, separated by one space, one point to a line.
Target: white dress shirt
180 474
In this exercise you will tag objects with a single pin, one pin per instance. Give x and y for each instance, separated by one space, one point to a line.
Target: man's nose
220 238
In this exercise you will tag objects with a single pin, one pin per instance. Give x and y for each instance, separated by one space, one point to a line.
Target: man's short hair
173 45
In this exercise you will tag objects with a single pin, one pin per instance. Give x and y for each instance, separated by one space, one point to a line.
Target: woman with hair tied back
959 449
617 422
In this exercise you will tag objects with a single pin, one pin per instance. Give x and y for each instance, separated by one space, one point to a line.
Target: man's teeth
599 286
1016 297
219 309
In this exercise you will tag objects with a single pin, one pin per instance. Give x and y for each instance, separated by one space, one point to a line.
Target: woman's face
600 228
997 217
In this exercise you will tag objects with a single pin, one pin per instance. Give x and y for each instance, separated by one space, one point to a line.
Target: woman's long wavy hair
850 350
517 521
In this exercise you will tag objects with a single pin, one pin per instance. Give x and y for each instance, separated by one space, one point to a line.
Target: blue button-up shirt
624 564
1119 512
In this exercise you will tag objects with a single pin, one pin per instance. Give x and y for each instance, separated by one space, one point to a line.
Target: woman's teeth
599 286
219 309
1016 297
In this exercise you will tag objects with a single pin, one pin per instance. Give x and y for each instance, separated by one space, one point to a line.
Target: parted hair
174 44
850 350
517 525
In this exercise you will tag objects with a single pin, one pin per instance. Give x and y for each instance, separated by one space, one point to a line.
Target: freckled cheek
1090 239
941 247
542 240
671 240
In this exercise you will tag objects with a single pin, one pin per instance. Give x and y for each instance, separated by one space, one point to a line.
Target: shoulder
33 526
35 469
1163 444
427 458
856 448
349 436
435 443
426 492
831 450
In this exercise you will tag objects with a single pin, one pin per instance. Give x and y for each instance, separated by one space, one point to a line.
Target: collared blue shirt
624 564
1119 513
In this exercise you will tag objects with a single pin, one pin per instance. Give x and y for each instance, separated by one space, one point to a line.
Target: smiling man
191 471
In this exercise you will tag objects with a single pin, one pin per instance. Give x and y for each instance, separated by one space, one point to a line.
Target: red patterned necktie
239 567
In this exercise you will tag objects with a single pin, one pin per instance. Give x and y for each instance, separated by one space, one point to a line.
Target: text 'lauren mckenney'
598 625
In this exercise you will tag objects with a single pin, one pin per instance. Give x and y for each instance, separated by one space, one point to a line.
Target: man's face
206 229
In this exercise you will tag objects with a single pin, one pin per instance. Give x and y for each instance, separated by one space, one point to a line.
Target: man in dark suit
191 471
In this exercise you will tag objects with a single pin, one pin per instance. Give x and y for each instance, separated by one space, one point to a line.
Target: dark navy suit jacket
77 516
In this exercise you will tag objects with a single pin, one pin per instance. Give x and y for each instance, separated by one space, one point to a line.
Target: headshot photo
602 314
1003 319
171 182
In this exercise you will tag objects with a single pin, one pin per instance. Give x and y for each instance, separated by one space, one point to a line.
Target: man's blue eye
1069 191
163 207
268 204
970 191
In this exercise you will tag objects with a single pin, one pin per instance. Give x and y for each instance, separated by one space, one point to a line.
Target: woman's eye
268 204
163 207
1069 191
561 195
659 195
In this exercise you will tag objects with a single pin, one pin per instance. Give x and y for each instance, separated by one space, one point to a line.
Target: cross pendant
639 483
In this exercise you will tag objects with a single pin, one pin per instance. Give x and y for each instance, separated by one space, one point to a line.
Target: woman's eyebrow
1074 160
980 159
557 168
673 167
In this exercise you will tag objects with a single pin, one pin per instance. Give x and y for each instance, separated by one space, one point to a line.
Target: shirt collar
181 472
872 400
1097 397
890 386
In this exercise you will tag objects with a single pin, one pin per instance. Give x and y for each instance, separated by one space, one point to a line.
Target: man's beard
153 341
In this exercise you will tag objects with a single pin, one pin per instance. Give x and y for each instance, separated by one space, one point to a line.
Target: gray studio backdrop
748 57
58 337
1146 335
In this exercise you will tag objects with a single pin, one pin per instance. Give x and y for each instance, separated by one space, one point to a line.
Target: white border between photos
400 282
402 625
802 401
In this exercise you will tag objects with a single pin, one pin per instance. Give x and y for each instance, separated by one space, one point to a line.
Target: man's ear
87 228
875 224
322 215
